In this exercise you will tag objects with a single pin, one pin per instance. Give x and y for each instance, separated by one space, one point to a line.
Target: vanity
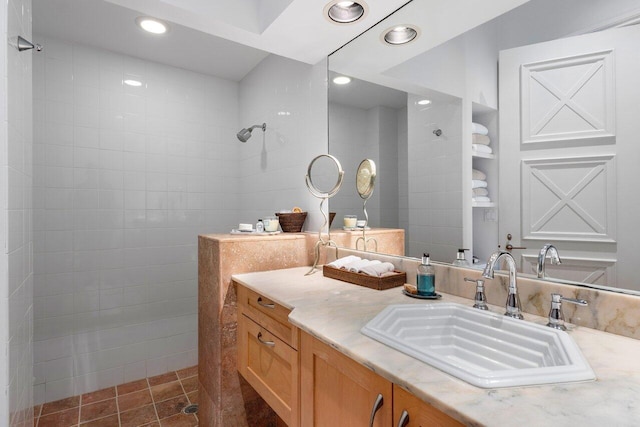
300 347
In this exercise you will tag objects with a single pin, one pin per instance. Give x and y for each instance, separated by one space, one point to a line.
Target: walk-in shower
245 133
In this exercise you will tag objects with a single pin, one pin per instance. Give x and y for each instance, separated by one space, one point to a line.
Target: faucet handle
556 316
479 298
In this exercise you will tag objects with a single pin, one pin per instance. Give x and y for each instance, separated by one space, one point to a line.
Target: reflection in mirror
365 184
563 160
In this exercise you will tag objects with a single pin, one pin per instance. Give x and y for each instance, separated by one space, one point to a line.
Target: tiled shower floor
155 401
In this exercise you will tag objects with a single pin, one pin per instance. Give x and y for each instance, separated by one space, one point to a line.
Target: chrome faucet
513 300
542 257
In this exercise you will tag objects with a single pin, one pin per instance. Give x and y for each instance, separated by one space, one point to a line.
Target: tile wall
291 97
435 179
16 261
125 179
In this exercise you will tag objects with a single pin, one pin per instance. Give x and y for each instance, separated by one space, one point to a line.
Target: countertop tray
361 279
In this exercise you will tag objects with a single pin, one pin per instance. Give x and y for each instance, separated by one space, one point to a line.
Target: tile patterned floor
153 402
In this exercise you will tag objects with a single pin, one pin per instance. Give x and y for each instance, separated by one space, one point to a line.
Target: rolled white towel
476 174
479 148
377 269
341 262
478 138
477 183
478 128
480 192
481 199
357 265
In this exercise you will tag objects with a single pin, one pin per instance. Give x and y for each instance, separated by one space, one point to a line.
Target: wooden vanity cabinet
418 413
268 353
309 383
337 391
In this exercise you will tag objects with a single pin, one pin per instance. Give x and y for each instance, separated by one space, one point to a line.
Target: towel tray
378 283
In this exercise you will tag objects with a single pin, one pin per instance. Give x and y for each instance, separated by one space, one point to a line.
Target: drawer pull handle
267 343
404 419
265 305
376 406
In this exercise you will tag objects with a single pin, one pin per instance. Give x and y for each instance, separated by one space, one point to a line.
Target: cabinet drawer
418 413
267 314
271 367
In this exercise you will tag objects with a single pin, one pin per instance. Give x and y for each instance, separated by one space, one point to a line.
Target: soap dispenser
426 277
461 261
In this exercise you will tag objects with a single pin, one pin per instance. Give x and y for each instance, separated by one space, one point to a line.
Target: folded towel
478 128
478 138
341 262
477 183
481 199
377 269
358 265
476 174
480 192
479 148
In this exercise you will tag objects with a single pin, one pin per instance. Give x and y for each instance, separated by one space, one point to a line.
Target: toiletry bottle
461 261
259 226
426 277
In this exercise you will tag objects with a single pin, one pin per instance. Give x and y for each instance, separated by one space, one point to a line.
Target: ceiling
225 39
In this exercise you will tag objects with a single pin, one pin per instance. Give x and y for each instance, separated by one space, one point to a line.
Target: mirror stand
363 238
323 195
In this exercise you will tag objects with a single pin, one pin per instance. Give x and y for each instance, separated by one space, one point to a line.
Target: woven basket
292 222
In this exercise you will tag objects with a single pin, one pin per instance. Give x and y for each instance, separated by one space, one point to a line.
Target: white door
570 155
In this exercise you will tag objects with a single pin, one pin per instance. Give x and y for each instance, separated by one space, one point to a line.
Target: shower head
245 133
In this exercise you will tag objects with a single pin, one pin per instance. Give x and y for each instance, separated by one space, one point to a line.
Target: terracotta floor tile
60 405
132 386
171 406
187 372
164 378
110 421
134 400
190 384
97 396
166 391
36 411
193 397
65 418
180 420
98 410
138 416
153 424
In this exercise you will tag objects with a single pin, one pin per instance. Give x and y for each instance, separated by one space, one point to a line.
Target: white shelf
483 155
483 204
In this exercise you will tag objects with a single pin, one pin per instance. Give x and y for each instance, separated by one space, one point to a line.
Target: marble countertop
335 311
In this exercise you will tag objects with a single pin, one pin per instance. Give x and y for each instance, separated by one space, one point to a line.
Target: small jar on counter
271 223
350 221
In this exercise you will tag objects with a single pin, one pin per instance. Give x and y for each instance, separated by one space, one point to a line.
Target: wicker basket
292 222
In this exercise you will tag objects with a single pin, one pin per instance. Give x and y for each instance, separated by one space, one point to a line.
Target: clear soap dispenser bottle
461 261
426 277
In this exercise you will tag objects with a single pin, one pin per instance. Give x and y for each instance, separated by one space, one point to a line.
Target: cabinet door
270 366
336 391
418 413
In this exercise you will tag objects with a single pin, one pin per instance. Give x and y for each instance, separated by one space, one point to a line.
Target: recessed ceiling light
152 25
345 12
134 83
341 80
424 102
400 34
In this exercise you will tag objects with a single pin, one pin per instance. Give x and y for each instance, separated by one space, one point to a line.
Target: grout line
118 407
153 402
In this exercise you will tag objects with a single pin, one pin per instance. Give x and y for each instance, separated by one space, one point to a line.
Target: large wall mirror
554 85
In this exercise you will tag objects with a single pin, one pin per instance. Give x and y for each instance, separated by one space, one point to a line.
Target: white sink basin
485 349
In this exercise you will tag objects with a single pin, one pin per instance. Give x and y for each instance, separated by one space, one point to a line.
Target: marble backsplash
611 312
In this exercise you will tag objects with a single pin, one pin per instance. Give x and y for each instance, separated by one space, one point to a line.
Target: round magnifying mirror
366 178
324 176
